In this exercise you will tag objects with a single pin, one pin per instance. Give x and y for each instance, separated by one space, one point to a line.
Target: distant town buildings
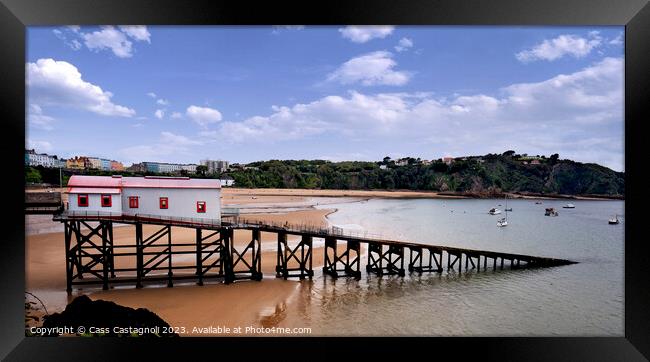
76 163
402 162
162 167
448 160
32 158
137 168
215 166
116 166
42 159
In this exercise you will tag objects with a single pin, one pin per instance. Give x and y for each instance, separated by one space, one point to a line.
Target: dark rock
106 316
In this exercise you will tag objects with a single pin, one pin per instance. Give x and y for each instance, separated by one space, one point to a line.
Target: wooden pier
91 252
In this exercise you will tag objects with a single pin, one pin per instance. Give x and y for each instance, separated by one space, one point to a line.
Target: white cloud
559 114
203 115
74 44
177 140
59 83
137 32
152 94
598 87
618 40
39 146
176 115
362 34
370 69
169 147
162 102
404 44
37 119
556 48
159 113
109 38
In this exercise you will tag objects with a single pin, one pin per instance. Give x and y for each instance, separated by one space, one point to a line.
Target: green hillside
491 173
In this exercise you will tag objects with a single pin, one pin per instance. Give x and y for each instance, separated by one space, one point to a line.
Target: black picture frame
16 15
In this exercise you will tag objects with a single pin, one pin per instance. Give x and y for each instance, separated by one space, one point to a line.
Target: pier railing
303 228
228 221
145 218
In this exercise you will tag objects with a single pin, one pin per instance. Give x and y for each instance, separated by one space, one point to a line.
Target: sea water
584 299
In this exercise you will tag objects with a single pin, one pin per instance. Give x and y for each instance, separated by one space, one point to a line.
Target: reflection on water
584 299
278 315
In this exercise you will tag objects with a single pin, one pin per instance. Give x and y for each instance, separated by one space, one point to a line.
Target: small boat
507 209
569 206
538 202
551 212
504 220
494 211
614 221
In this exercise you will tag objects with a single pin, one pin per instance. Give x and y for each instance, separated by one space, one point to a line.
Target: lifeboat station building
148 196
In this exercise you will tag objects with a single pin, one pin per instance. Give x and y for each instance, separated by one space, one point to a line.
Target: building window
133 202
107 201
82 200
200 206
164 203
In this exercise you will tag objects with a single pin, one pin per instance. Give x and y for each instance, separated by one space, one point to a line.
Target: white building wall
182 202
189 168
95 162
227 182
95 204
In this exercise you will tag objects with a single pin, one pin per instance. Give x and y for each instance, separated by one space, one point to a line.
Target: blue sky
181 94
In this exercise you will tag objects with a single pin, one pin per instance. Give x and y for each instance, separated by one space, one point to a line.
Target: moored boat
551 212
507 208
494 211
569 206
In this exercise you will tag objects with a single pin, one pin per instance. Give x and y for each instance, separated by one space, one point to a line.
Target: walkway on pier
90 252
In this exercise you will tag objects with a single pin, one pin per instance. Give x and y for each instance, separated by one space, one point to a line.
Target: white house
175 197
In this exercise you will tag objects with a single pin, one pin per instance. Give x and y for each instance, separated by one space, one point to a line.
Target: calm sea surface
584 299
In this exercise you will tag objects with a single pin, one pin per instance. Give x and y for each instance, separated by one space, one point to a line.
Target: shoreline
235 193
410 194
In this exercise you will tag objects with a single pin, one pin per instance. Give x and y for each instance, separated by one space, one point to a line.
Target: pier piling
90 253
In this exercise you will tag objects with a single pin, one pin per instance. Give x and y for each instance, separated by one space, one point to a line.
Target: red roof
94 181
77 181
93 190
